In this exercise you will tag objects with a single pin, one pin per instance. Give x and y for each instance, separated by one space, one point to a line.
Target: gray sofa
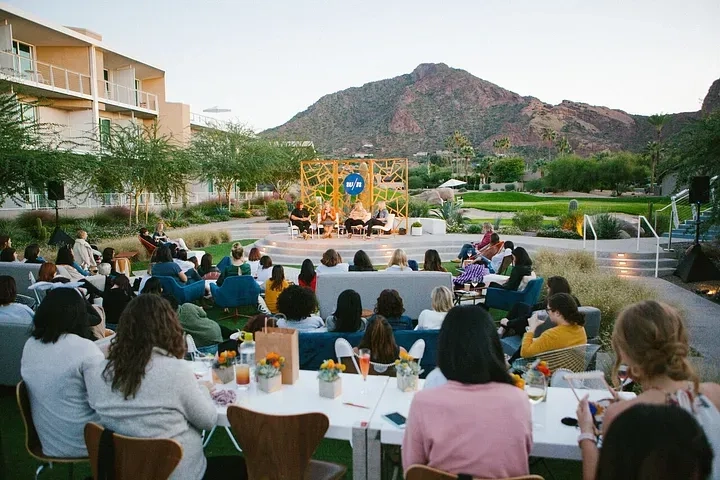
19 271
413 287
13 335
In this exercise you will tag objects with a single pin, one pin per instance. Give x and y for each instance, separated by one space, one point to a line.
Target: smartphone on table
396 419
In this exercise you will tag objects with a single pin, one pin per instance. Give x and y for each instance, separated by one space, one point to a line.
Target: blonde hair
399 258
441 299
237 251
488 227
652 336
80 233
157 226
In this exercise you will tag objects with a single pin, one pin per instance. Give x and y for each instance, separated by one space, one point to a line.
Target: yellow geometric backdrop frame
385 179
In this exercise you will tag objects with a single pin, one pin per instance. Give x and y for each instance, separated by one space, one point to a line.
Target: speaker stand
59 238
697 267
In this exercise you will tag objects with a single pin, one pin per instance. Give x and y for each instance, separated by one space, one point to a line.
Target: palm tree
502 144
563 146
540 164
455 143
549 135
658 121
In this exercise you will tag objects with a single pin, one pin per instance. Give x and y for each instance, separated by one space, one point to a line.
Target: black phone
396 419
570 422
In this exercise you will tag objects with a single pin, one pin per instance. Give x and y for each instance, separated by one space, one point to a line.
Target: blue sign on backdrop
354 184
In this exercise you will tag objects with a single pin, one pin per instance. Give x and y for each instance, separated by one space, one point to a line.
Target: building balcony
205 122
118 98
44 79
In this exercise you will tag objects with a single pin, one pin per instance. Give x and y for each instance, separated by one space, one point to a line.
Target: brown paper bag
284 342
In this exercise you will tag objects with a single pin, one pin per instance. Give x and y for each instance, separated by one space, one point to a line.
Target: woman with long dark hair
478 422
432 262
146 389
61 343
522 267
117 298
568 331
32 254
380 340
67 266
207 268
307 277
274 286
361 263
166 267
348 314
264 271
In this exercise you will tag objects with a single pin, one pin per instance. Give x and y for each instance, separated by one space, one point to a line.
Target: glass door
24 59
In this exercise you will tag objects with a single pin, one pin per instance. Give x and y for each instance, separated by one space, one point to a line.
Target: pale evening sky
268 60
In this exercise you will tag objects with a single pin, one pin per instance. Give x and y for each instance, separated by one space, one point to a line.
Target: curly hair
148 321
331 258
389 304
651 337
296 302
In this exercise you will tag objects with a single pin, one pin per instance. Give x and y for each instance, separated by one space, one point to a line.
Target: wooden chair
422 472
32 440
281 447
135 458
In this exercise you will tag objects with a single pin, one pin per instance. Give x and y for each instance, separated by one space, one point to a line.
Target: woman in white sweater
146 389
441 302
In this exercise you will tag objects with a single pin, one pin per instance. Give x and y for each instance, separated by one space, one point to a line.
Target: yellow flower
342 367
397 362
282 359
331 363
263 361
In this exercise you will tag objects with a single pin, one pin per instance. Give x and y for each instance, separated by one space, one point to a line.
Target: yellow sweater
271 296
561 336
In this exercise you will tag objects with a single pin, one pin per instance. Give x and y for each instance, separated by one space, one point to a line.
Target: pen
355 405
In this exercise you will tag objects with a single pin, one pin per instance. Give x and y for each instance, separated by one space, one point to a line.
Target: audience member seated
5 242
379 218
655 442
116 299
650 338
47 272
238 265
8 255
145 235
32 254
298 305
108 257
159 237
331 262
347 317
206 269
390 305
153 285
567 332
478 423
51 366
254 261
259 322
146 389
469 250
166 267
83 252
300 218
380 340
328 215
357 217
517 318
398 262
442 301
10 311
475 272
307 276
194 321
432 262
67 266
497 260
274 286
264 270
522 267
490 250
361 263
181 259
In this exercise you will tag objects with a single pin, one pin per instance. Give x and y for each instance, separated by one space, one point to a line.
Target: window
137 92
210 186
104 132
106 78
24 62
28 113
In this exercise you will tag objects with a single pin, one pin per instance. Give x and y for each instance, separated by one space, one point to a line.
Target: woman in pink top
477 423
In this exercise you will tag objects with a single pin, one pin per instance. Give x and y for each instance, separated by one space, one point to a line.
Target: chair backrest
274 446
135 458
571 358
592 321
31 278
190 342
149 247
423 472
390 223
240 289
417 350
224 263
533 290
507 261
32 440
343 350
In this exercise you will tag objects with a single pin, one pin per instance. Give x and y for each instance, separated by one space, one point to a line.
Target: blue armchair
182 293
224 263
504 299
236 291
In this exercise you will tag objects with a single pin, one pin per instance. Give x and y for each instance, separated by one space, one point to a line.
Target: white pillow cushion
525 280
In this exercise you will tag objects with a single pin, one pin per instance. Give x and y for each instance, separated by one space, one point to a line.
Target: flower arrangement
540 366
270 366
406 364
330 371
518 381
225 359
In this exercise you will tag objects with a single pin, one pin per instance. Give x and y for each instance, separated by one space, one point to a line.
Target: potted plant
416 229
223 366
329 380
268 372
408 372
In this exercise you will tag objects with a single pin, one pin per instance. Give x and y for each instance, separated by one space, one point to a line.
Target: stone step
639 272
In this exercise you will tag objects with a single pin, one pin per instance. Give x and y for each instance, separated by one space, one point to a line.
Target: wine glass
474 282
364 357
622 375
535 386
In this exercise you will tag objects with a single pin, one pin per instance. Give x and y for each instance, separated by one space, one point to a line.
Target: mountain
417 111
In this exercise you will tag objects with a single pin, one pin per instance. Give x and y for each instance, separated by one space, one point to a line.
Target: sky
268 60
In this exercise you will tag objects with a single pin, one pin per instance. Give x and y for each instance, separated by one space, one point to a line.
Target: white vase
270 385
415 231
407 383
330 389
225 374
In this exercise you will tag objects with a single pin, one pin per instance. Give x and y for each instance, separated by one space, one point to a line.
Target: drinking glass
474 282
242 375
364 357
535 386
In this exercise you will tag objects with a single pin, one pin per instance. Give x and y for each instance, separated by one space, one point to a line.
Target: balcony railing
126 95
43 74
208 122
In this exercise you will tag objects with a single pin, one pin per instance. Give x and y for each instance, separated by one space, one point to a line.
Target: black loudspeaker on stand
697 267
56 192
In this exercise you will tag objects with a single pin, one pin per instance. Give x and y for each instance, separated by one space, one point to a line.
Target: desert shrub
214 238
89 225
277 210
40 232
510 187
536 185
127 244
240 214
558 233
27 220
607 227
592 286
486 186
117 214
453 215
196 217
224 236
662 223
416 182
496 223
571 221
418 209
528 220
257 212
173 218
473 228
209 207
509 230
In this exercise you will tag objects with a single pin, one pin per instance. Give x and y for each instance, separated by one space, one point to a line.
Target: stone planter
330 389
225 374
407 383
270 385
415 231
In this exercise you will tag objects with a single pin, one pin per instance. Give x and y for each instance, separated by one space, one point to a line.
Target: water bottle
247 351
